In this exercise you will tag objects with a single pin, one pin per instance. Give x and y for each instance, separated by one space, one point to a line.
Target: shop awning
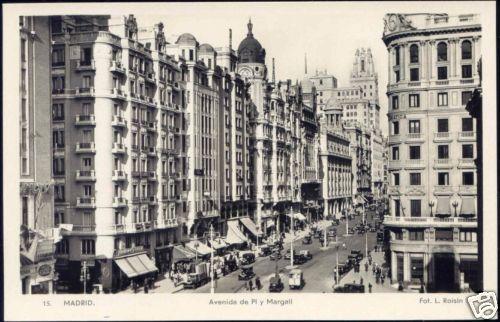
180 253
443 206
234 234
299 216
136 265
249 224
468 206
217 244
202 249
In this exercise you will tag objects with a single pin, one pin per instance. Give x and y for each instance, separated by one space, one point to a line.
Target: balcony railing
467 190
84 228
119 175
415 163
119 121
430 221
85 120
85 202
395 164
119 202
152 175
84 92
442 136
466 163
443 190
118 93
85 175
85 147
117 66
84 65
119 148
467 136
443 163
414 136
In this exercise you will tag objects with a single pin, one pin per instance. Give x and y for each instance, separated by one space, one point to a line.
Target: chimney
230 39
274 75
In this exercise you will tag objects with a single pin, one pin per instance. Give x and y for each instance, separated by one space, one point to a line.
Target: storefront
251 229
38 278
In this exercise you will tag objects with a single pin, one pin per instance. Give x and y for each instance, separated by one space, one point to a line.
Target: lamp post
212 290
292 235
337 245
196 245
455 205
431 204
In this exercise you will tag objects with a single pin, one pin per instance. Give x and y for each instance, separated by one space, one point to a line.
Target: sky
328 32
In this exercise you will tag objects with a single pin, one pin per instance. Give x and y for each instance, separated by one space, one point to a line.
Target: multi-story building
377 162
432 141
335 161
118 128
325 85
38 240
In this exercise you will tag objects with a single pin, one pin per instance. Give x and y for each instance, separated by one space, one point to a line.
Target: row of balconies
430 222
438 163
431 83
463 136
438 190
150 175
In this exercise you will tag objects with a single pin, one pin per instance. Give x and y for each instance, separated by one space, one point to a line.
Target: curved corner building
432 149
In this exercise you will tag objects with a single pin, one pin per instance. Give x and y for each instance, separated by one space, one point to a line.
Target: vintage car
307 240
299 259
373 229
194 280
275 256
246 273
343 268
230 263
296 279
357 253
265 251
247 258
306 253
332 234
275 284
288 254
336 221
350 288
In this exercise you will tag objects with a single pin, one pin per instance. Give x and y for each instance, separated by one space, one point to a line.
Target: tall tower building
432 144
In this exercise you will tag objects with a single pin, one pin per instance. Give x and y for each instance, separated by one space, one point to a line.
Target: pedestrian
257 283
361 281
369 287
146 289
366 267
250 285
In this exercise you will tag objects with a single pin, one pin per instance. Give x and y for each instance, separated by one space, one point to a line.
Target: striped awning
136 265
181 253
250 225
468 206
198 247
234 234
443 206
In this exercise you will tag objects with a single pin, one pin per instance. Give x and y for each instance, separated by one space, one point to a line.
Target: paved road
318 272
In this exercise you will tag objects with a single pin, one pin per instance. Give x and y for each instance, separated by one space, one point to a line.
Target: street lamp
196 245
455 205
337 258
292 236
431 204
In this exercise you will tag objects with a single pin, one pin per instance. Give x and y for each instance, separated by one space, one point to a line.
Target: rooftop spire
249 25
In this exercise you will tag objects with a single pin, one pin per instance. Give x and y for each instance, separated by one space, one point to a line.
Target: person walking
250 285
366 266
257 283
369 287
361 280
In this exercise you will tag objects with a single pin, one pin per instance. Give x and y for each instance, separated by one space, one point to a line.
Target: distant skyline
329 33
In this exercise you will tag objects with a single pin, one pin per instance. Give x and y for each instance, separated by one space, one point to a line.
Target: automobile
288 254
307 240
306 253
343 268
373 229
247 258
317 234
350 288
361 231
353 259
332 233
230 263
336 221
246 273
296 279
357 253
275 256
299 259
275 284
351 231
265 251
193 280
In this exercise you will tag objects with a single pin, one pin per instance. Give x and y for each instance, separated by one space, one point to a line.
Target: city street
318 272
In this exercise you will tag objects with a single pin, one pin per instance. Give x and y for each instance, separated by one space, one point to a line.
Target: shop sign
28 270
129 251
44 270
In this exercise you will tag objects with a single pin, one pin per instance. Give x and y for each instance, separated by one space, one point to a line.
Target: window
443 179
415 152
398 76
398 234
442 72
444 234
86 56
191 54
468 178
417 267
58 56
413 53
415 179
395 102
442 99
414 74
443 152
442 125
414 126
57 112
467 151
442 52
397 207
88 247
400 267
414 100
62 247
466 96
395 153
25 211
467 124
416 234
468 236
395 128
395 179
397 54
466 71
466 49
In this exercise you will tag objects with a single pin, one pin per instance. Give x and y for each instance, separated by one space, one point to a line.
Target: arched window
362 65
442 51
413 53
466 49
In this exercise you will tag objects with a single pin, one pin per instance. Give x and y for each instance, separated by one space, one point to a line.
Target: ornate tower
363 75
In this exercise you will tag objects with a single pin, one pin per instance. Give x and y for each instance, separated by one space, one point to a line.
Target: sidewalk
369 277
163 286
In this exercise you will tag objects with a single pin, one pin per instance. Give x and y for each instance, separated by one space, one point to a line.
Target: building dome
186 39
206 48
250 50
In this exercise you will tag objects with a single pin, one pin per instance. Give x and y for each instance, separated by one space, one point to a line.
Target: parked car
275 284
343 268
296 279
299 259
306 253
357 253
332 234
350 288
288 254
246 273
194 280
247 258
373 229
317 234
351 231
275 256
307 240
265 251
